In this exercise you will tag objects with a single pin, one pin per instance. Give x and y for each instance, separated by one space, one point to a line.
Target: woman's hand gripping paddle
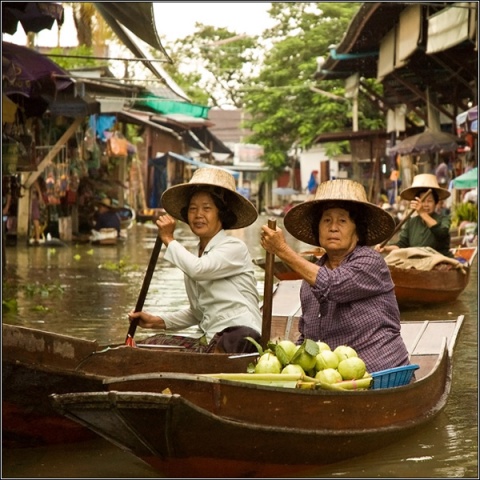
129 341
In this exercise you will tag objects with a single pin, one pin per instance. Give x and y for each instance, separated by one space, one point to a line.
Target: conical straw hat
302 220
424 181
106 202
175 198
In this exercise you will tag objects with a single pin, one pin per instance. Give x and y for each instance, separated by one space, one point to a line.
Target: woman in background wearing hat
219 276
426 228
347 296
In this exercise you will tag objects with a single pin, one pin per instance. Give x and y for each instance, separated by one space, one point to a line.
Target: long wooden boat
412 287
188 425
37 363
423 287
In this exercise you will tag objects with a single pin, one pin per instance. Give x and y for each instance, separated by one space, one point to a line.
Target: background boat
412 287
423 287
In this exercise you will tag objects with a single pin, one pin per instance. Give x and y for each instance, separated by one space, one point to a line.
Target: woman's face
203 215
428 204
337 231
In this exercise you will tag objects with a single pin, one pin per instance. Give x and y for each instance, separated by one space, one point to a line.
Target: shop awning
33 16
166 106
469 115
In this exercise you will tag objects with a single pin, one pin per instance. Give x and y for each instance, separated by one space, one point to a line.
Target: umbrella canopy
29 79
467 180
33 16
427 142
284 191
27 72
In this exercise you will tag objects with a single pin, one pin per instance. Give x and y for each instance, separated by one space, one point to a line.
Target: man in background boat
106 217
219 278
426 228
347 296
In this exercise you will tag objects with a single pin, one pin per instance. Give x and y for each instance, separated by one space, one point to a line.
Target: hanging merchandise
51 185
117 145
62 174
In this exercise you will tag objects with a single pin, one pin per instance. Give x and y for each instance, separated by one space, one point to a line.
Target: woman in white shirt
219 279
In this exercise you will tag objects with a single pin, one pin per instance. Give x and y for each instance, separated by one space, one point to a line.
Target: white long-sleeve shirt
220 286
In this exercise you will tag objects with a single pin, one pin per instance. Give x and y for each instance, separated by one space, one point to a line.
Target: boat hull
187 425
221 428
418 287
36 364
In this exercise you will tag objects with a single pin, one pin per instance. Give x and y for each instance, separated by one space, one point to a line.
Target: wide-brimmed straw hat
220 182
424 181
302 220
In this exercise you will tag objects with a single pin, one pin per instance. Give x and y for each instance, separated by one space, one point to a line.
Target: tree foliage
284 109
272 76
218 61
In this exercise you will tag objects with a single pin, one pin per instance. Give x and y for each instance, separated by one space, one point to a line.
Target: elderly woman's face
337 231
203 215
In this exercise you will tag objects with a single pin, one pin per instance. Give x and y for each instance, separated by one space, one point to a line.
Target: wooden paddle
268 291
405 218
143 292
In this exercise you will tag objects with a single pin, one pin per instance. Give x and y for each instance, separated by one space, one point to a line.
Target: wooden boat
149 214
104 236
127 217
412 287
188 425
275 210
423 287
37 363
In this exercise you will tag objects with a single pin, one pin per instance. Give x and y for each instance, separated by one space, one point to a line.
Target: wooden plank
286 300
411 333
433 335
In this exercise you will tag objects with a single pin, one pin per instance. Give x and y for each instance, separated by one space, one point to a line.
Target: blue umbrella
467 180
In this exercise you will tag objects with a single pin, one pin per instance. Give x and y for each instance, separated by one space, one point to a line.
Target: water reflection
99 287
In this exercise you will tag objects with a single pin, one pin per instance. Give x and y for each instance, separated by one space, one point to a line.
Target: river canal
86 291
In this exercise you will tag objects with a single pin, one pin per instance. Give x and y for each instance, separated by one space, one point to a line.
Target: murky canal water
87 291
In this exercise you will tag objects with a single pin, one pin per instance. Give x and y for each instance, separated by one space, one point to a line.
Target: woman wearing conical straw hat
426 228
219 276
347 296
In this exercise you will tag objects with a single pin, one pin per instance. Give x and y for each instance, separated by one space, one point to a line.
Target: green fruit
352 368
343 352
323 346
285 350
268 363
305 360
326 359
329 375
293 369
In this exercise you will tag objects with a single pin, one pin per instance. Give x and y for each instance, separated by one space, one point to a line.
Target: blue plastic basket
393 377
